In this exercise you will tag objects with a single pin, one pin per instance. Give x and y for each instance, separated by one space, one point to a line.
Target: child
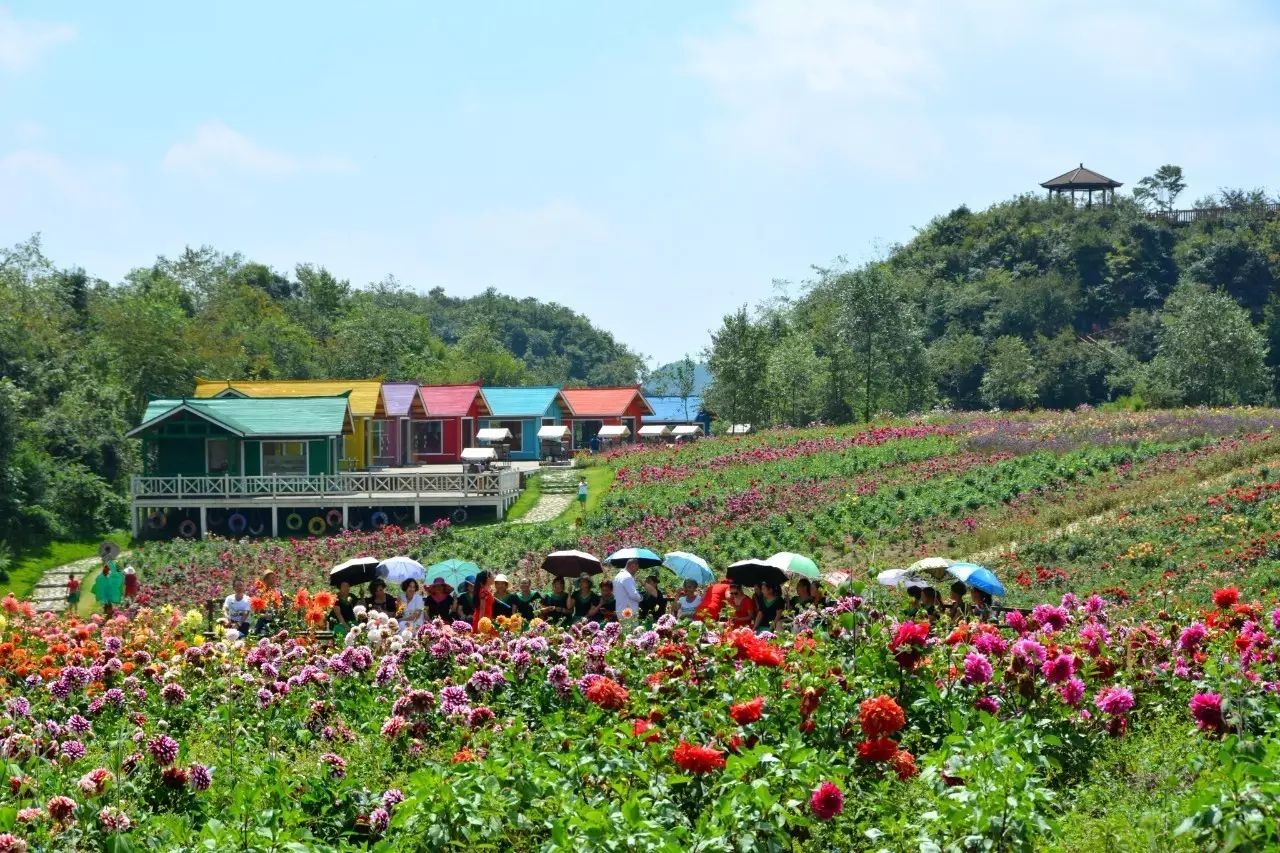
130 583
582 493
73 592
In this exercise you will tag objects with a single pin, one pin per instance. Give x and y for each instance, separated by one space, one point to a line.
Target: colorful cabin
244 436
523 411
674 411
443 422
591 409
389 430
357 450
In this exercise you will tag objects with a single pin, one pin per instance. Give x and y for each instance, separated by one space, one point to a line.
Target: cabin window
382 438
428 438
584 431
217 456
516 442
286 458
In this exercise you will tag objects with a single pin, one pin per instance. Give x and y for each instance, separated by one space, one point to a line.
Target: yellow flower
485 626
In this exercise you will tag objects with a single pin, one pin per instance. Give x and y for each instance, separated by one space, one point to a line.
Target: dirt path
50 593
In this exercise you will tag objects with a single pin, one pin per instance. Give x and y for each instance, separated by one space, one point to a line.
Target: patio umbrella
397 570
934 567
570 564
751 572
355 571
646 558
453 572
979 577
689 567
796 565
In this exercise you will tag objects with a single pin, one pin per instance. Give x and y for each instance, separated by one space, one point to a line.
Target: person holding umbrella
769 605
414 606
439 603
555 604
584 600
627 597
743 614
464 605
652 603
379 600
343 614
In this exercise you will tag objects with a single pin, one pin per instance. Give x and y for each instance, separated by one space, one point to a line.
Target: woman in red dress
484 599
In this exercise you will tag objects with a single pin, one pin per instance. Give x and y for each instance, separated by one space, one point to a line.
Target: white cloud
36 175
897 85
217 150
23 43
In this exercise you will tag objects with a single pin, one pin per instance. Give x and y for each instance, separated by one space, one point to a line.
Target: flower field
1130 704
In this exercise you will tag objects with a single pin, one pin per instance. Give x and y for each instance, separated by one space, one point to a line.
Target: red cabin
591 409
442 421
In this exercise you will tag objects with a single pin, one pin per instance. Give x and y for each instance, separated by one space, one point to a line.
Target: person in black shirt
343 614
652 602
465 604
769 606
439 600
606 609
504 599
584 601
379 600
555 604
526 599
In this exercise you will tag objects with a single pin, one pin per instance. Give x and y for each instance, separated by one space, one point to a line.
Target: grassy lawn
28 567
529 497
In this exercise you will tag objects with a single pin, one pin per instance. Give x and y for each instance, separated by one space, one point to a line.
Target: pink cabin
389 429
442 421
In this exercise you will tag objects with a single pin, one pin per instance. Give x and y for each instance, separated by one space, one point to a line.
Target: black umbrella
355 571
108 551
570 564
752 572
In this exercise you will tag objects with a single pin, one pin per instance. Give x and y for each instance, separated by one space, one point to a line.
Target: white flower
359 610
350 639
232 635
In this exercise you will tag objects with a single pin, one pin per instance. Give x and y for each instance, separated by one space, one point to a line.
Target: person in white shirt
626 594
687 604
236 607
414 606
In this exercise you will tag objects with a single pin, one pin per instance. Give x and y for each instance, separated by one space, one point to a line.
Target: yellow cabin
357 450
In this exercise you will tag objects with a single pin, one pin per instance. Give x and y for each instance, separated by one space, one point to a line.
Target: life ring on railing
378 519
157 521
257 530
334 518
293 521
316 525
187 529
459 515
237 522
216 517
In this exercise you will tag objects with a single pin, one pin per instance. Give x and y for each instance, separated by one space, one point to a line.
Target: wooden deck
406 490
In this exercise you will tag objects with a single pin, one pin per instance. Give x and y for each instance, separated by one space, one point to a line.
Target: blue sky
652 165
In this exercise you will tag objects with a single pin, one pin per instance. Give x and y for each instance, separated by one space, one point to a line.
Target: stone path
50 593
559 490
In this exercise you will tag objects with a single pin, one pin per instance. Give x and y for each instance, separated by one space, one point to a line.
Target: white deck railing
486 484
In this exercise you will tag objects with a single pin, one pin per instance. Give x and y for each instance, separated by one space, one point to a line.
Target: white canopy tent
612 433
557 432
654 430
494 434
479 454
739 429
686 430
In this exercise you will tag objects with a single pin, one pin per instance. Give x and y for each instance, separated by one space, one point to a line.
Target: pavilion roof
1081 178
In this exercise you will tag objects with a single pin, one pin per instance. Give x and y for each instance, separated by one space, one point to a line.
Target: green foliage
1010 380
1161 189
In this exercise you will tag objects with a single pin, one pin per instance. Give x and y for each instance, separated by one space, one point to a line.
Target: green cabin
244 436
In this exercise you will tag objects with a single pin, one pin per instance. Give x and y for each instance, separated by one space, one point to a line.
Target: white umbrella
900 577
933 566
397 570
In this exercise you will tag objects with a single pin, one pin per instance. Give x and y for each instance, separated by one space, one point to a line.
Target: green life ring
293 521
316 525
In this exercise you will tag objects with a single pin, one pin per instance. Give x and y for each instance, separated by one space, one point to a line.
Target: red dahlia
877 749
608 694
697 759
904 764
1226 597
880 716
747 712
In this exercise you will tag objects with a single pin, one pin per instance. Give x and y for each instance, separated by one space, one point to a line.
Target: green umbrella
796 564
453 572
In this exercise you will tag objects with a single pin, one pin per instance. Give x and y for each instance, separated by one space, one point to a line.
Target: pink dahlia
1191 637
1058 669
1206 709
827 801
977 669
1114 700
1071 691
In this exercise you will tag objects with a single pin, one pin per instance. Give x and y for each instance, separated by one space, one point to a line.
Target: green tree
1162 189
795 381
1010 381
956 361
1208 352
684 376
736 359
883 342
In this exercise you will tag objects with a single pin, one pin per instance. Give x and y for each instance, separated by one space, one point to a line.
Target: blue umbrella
979 577
453 572
646 558
689 567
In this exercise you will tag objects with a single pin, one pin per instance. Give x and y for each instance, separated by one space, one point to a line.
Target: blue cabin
523 411
676 411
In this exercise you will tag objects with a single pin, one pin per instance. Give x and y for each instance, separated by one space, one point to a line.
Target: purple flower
1114 700
336 764
379 819
1058 669
1029 652
1071 691
173 694
990 704
73 749
163 749
200 777
1191 637
112 820
78 724
392 798
977 669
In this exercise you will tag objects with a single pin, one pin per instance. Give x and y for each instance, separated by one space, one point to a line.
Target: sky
651 165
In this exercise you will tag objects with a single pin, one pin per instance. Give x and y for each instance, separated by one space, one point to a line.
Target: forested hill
79 358
1031 302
